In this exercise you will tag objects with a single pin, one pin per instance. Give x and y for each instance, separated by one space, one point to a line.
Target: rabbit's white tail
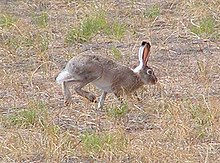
62 76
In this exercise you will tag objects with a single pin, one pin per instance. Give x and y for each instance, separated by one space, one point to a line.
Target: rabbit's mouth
155 80
151 81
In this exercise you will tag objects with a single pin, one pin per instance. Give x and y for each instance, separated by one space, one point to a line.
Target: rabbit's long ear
146 52
143 56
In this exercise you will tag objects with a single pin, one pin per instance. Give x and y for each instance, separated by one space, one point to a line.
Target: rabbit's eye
149 72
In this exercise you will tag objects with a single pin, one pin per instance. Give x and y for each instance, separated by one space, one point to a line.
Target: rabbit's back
107 74
90 64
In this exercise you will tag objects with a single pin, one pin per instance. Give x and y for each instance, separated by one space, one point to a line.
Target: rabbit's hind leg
66 92
84 93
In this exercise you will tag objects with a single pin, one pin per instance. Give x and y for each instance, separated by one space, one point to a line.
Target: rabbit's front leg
119 97
136 95
66 92
102 100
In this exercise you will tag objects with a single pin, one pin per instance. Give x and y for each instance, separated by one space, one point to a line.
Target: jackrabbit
105 74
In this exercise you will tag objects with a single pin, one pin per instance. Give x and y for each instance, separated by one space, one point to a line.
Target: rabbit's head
146 73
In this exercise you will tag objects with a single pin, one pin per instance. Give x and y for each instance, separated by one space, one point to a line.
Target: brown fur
105 74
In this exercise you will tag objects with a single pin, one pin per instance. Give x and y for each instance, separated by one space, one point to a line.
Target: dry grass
176 121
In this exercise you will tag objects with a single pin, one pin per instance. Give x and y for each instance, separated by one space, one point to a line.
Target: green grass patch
117 112
41 19
38 42
89 27
152 12
32 115
13 42
202 119
116 30
97 143
7 21
117 53
206 28
97 23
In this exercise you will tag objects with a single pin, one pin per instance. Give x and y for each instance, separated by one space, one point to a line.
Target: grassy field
176 120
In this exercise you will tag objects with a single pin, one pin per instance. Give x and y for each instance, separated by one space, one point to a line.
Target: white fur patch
141 62
138 68
63 75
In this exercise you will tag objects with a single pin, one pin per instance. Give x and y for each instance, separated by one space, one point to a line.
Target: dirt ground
176 120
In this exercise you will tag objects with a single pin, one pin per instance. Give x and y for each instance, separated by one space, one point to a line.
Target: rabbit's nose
155 80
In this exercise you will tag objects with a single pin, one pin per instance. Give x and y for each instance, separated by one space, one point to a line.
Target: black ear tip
145 43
